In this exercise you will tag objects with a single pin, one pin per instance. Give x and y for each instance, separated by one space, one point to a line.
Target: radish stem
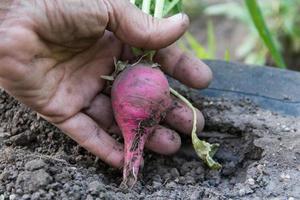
182 98
159 8
132 1
146 6
203 149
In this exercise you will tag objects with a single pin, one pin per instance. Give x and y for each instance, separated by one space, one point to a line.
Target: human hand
53 53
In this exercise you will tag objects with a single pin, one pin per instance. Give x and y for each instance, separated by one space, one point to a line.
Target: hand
53 53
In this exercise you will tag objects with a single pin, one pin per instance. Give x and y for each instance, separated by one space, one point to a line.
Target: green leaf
227 55
146 6
173 6
247 46
182 46
159 8
211 39
264 32
226 9
206 151
197 47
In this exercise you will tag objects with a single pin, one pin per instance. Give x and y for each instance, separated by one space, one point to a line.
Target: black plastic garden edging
270 88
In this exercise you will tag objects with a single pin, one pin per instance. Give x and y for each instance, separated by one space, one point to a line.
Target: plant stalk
203 149
159 8
132 1
264 32
182 98
146 6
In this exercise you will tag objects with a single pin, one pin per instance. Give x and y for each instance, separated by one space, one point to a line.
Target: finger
180 118
100 110
89 135
138 29
162 140
188 69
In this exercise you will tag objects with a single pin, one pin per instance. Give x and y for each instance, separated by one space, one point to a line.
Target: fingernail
179 17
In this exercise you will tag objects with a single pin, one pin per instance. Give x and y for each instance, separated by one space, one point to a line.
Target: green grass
265 35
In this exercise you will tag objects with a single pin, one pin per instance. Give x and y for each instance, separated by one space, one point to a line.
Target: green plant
264 32
193 8
190 44
283 23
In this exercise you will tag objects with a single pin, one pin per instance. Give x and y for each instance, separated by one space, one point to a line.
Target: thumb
138 29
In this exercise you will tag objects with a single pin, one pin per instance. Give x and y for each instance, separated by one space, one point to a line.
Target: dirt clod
34 165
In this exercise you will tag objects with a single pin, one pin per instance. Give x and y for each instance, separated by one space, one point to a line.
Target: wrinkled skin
52 54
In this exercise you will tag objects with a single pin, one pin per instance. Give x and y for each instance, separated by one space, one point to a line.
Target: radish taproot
140 99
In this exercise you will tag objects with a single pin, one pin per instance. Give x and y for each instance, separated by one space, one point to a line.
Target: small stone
284 177
261 167
35 165
89 197
14 174
168 176
189 180
171 185
196 195
156 178
199 170
55 186
284 128
182 180
95 187
3 134
174 173
4 176
66 187
12 197
42 192
251 181
186 167
291 198
35 196
156 184
9 187
26 197
63 177
19 191
242 192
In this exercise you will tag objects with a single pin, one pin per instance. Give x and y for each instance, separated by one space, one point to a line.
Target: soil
259 151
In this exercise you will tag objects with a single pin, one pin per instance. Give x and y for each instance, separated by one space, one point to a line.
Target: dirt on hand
259 151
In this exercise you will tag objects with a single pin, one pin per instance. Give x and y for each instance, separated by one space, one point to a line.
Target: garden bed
260 153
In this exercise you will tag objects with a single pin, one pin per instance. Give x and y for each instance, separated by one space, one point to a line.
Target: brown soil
259 151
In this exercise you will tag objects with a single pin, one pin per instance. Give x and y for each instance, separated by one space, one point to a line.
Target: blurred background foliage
232 30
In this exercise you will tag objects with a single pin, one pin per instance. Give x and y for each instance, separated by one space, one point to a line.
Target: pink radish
140 99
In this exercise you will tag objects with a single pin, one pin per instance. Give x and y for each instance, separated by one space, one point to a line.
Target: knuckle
89 138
